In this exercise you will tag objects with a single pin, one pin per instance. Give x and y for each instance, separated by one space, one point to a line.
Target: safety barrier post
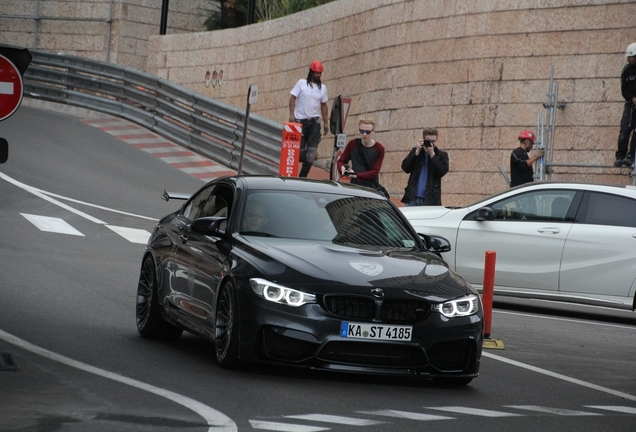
290 149
488 289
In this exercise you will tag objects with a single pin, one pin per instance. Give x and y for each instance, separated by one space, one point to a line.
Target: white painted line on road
550 410
52 224
284 427
474 411
40 194
620 409
133 235
408 415
350 421
47 196
217 421
561 377
182 159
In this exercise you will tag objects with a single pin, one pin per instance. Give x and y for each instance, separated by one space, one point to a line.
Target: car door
600 252
528 235
204 260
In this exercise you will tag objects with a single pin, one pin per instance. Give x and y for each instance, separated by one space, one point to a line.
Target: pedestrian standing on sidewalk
307 105
426 164
628 121
521 163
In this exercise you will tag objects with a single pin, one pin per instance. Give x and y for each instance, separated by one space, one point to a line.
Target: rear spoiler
167 196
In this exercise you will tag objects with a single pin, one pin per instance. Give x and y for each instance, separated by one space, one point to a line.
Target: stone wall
479 71
116 31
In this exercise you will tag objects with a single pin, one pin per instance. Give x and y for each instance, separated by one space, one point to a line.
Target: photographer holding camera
426 164
366 156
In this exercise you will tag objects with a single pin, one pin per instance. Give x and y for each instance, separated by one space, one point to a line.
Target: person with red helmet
307 105
521 170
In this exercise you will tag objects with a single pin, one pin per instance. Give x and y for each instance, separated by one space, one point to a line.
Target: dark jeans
627 127
309 144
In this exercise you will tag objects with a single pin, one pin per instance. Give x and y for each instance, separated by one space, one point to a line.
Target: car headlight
280 294
460 307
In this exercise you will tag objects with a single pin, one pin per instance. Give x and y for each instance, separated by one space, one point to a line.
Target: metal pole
164 17
247 119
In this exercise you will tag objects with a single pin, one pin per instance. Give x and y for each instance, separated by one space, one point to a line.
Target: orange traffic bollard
488 289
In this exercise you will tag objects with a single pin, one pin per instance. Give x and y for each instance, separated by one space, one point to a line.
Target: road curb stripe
169 152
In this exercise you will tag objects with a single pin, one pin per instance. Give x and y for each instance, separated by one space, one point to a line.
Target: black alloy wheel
226 328
150 323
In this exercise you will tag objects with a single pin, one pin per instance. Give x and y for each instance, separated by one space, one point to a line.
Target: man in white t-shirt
307 104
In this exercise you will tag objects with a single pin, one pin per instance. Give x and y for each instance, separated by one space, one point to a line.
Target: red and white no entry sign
11 88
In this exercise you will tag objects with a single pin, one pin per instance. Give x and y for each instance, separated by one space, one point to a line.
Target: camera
427 143
347 172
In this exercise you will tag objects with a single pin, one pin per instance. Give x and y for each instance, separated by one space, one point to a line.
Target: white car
572 242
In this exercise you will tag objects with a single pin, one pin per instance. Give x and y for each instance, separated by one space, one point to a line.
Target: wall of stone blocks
479 71
116 31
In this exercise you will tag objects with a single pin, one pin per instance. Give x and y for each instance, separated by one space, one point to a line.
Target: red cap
316 67
526 134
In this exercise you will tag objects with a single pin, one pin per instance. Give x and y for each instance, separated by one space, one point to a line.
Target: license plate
375 331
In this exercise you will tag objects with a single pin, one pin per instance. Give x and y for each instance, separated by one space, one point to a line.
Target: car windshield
341 219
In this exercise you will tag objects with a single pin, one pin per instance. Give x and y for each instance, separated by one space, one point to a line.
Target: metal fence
194 121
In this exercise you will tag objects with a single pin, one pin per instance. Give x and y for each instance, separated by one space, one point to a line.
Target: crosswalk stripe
351 421
549 410
621 409
474 411
51 224
285 427
133 235
407 415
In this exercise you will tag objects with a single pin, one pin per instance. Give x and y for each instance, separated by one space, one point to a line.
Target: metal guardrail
202 124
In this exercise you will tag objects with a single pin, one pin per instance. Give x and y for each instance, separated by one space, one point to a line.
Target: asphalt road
75 203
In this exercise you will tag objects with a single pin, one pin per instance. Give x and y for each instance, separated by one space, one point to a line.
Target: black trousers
628 124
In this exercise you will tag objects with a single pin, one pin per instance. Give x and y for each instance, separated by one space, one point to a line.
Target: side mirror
485 213
4 150
436 244
208 226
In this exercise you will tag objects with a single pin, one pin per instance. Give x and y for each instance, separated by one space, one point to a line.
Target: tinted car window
329 217
606 209
544 205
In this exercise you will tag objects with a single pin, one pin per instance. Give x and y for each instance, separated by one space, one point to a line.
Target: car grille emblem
377 292
369 268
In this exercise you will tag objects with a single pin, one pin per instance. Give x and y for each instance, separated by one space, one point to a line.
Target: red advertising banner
290 149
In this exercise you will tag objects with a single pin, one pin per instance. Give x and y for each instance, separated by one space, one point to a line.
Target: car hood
324 267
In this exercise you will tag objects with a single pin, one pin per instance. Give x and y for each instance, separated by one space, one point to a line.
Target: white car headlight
460 307
280 294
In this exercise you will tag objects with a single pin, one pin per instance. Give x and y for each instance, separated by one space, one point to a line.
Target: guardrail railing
202 124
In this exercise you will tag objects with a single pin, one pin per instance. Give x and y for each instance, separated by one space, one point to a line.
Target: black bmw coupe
309 273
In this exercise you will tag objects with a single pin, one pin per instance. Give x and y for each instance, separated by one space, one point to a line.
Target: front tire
226 327
150 323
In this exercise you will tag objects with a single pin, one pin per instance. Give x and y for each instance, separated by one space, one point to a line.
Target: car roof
272 182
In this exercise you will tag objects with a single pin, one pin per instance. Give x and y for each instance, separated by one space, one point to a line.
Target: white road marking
620 409
549 410
561 377
47 196
284 427
40 194
133 235
351 421
217 421
52 224
407 415
474 411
